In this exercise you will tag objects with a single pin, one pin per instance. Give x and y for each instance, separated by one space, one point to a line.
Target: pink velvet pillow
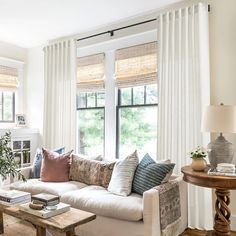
55 167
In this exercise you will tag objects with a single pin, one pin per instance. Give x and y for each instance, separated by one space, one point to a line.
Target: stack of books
224 169
45 199
14 196
45 213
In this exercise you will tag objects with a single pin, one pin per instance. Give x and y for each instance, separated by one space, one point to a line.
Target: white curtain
60 95
183 78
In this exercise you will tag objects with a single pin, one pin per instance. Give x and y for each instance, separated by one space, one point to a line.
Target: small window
7 107
90 107
137 120
8 83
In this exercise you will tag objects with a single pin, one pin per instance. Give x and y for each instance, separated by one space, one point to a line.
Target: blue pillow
149 174
36 168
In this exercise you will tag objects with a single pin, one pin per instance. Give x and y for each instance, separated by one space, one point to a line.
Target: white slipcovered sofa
134 215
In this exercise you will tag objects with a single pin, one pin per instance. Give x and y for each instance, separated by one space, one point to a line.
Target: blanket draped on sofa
170 211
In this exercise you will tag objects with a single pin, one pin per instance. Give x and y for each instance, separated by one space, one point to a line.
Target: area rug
14 226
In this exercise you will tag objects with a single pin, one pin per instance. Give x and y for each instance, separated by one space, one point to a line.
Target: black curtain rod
111 32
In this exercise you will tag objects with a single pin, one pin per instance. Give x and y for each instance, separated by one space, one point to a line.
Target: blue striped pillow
149 174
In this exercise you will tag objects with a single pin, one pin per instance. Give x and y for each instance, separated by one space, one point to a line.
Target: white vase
198 164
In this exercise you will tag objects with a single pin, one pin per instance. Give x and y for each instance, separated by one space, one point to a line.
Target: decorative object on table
8 166
220 119
36 206
198 158
45 199
45 212
14 196
225 169
20 120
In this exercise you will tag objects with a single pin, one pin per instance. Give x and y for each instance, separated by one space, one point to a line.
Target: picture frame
20 120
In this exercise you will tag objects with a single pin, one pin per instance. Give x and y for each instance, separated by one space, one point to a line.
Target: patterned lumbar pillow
150 174
91 172
36 168
122 176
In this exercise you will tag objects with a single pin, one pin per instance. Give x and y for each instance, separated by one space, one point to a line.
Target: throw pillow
55 167
91 172
122 176
36 168
150 174
96 158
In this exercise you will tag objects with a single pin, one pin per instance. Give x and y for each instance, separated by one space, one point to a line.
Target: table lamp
219 119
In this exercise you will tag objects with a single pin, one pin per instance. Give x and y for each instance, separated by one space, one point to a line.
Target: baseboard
233 222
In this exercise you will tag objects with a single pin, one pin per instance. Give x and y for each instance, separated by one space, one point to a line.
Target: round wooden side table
223 185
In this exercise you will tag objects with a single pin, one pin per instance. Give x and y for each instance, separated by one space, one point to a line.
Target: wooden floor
16 227
13 227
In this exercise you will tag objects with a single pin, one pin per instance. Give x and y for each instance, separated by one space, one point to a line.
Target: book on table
45 199
14 196
45 213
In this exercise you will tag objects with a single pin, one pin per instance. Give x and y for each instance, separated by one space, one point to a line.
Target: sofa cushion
90 171
98 200
36 168
150 174
123 174
55 167
35 186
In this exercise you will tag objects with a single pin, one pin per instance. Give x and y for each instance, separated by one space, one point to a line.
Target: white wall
13 52
223 63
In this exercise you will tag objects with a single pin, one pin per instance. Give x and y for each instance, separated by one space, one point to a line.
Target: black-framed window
7 106
137 120
91 122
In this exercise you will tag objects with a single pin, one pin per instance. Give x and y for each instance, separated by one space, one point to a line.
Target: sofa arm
151 215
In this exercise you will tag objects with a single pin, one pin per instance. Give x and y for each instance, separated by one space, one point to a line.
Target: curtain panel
60 95
183 78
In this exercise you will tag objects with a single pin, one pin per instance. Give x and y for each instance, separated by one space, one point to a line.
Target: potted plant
8 166
198 158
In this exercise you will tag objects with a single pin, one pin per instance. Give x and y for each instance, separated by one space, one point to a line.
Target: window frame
91 108
120 106
13 108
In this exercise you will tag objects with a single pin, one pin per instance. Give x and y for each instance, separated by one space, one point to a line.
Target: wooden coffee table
64 223
223 185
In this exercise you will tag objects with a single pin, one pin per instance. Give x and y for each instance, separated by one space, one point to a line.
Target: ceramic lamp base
222 151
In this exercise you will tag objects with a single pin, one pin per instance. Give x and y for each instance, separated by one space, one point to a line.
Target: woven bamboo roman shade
8 77
136 65
90 73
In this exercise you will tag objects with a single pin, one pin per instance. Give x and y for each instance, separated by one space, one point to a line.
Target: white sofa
134 215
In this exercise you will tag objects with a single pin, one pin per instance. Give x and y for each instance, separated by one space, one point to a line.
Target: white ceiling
29 23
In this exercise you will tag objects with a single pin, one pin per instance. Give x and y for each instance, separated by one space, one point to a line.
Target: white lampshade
219 119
